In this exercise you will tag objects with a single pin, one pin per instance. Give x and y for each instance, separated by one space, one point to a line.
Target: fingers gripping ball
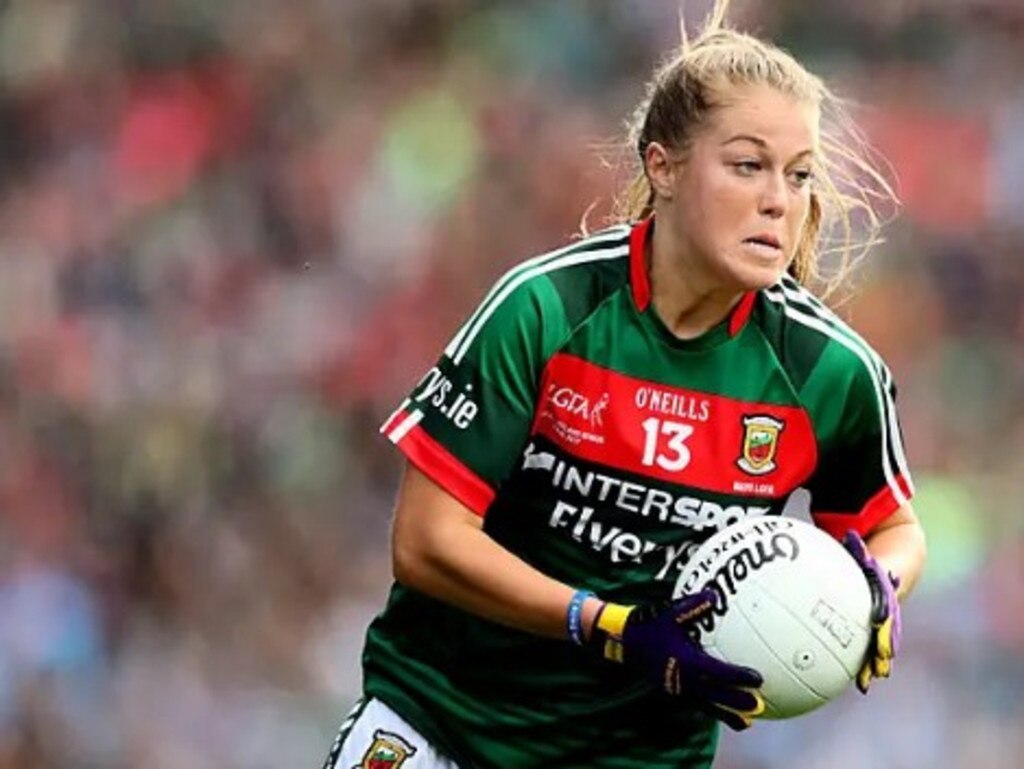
885 613
789 602
658 640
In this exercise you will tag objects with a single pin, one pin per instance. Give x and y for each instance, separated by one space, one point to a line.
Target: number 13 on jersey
665 444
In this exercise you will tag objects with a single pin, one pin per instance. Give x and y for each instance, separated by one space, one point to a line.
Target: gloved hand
885 613
660 642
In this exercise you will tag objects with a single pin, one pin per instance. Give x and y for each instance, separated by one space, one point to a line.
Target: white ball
790 602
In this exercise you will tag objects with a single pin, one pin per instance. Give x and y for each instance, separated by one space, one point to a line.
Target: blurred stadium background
234 233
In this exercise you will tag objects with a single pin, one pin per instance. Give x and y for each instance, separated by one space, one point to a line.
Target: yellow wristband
613 619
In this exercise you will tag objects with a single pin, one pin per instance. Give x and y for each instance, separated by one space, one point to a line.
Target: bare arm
439 548
898 543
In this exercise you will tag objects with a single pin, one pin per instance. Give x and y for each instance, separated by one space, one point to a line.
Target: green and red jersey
603 450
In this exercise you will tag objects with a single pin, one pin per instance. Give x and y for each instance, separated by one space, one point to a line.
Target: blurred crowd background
233 234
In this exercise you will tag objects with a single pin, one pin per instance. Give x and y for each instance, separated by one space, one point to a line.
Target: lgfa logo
568 401
760 444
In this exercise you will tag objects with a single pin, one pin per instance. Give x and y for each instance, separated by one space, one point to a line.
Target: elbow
410 555
405 563
916 542
429 532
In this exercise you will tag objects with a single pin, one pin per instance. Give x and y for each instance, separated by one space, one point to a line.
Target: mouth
765 244
764 238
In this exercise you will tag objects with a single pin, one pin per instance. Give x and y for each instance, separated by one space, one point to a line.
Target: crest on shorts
388 751
760 443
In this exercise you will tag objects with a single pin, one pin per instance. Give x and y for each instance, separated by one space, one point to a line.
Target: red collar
638 279
641 284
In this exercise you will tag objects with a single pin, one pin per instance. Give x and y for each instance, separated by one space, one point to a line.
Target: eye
801 176
747 167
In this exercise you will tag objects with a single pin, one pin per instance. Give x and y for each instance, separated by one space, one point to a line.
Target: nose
774 198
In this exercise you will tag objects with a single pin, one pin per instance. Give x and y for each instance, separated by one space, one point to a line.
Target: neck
688 300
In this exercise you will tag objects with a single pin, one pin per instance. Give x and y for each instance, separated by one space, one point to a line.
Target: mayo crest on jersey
603 450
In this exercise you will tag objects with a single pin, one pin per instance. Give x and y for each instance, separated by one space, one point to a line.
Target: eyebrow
760 143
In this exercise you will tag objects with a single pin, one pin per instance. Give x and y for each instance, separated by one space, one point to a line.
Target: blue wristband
574 616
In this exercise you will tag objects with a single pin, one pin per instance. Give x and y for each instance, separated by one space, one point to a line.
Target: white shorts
373 736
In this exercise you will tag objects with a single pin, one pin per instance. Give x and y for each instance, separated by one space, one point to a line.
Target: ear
661 169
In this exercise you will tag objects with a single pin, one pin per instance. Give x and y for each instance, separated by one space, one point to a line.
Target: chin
749 277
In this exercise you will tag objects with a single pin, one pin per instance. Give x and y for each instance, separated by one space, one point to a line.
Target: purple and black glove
885 613
659 641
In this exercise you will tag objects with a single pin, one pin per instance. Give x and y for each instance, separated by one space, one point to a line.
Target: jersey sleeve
466 422
862 475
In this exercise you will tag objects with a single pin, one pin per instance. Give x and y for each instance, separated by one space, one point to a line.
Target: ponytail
636 201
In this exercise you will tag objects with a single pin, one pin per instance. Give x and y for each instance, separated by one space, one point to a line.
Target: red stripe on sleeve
438 464
393 421
877 509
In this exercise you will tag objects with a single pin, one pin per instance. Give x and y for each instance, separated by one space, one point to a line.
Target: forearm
475 573
900 548
452 559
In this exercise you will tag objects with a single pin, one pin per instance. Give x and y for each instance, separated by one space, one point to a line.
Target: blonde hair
849 195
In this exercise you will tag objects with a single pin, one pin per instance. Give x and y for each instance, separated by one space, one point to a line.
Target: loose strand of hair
715 20
852 187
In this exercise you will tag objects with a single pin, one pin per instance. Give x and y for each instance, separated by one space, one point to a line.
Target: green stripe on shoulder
583 287
802 299
612 244
798 348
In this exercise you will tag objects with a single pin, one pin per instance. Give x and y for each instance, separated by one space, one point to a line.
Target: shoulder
561 275
548 290
586 259
817 344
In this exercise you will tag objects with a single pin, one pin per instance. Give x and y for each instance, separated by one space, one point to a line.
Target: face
738 201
